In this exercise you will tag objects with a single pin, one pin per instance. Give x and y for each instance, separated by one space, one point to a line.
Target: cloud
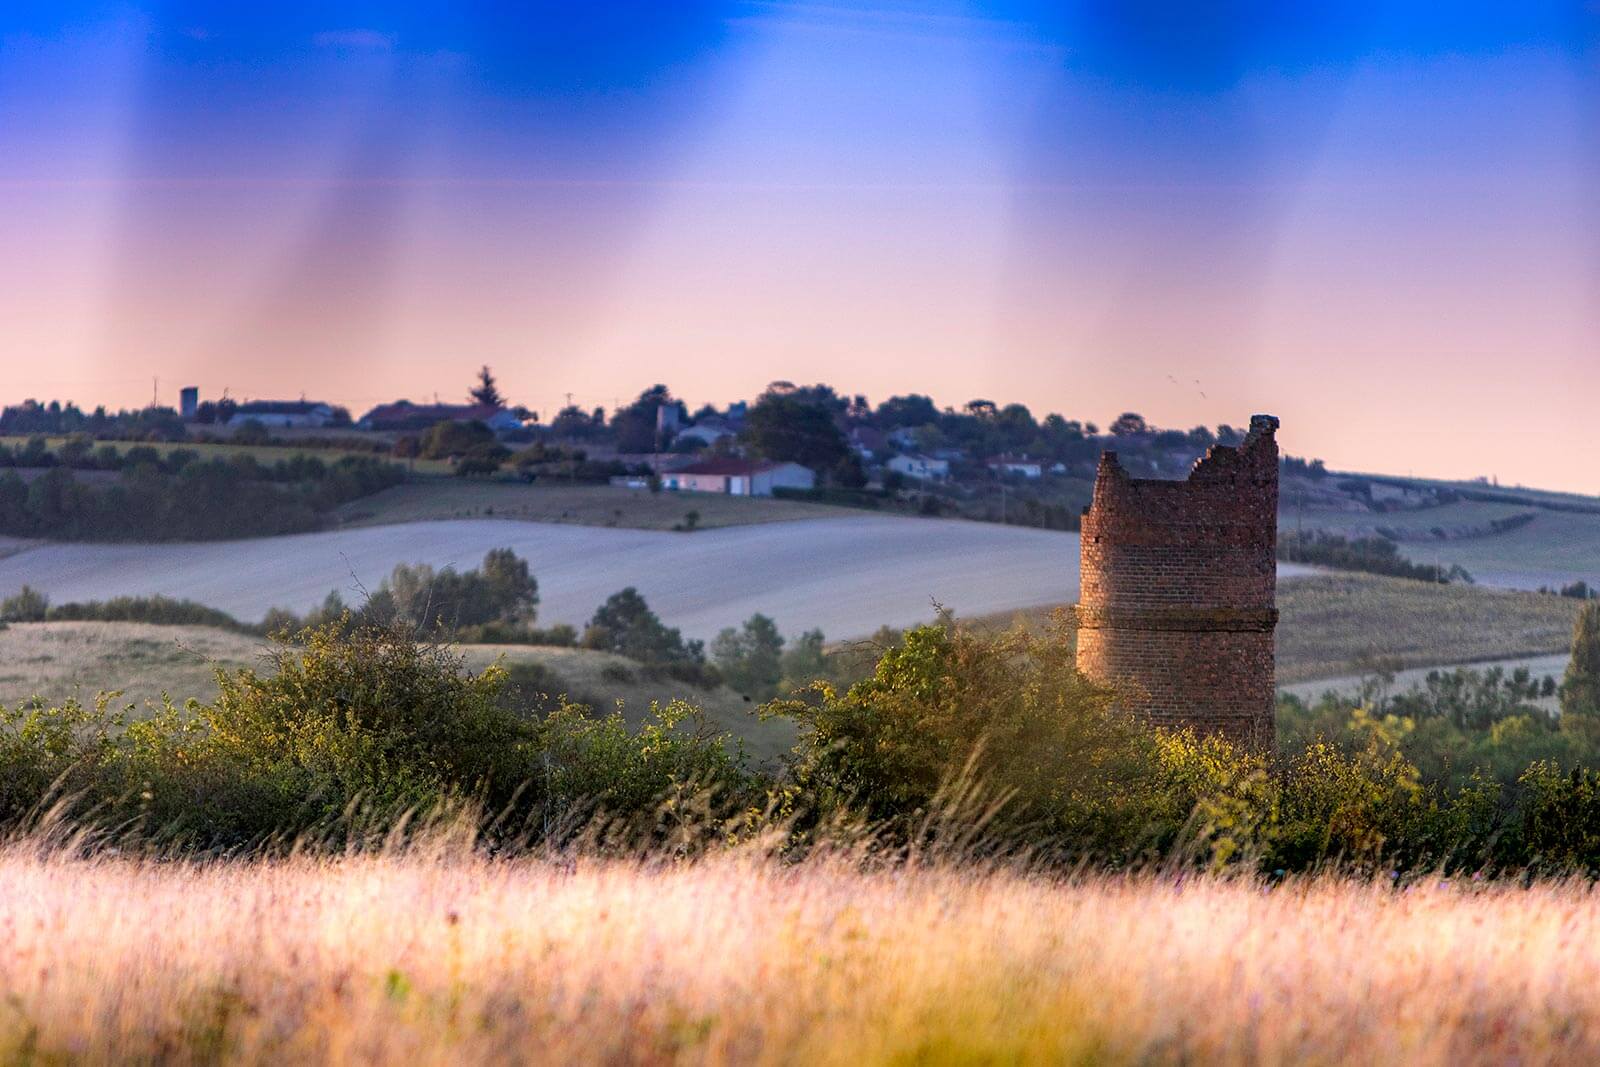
365 40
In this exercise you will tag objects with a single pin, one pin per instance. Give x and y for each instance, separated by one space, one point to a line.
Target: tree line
992 740
175 495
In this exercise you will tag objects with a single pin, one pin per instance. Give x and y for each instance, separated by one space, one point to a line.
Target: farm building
283 414
739 477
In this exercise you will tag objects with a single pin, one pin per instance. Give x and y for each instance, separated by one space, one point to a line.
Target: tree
501 590
751 657
912 410
624 624
635 426
28 605
1129 424
486 392
1580 689
784 427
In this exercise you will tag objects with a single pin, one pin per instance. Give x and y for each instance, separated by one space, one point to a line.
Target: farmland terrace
845 575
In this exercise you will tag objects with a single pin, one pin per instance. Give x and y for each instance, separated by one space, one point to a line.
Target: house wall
788 476
701 483
1179 583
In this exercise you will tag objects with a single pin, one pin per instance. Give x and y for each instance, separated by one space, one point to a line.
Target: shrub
371 714
675 781
157 610
1010 713
446 439
26 605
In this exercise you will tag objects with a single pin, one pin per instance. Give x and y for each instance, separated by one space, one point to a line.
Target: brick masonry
1179 589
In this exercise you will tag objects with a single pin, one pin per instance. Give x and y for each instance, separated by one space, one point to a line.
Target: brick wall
1178 602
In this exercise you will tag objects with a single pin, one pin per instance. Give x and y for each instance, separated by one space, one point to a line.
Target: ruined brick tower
1178 604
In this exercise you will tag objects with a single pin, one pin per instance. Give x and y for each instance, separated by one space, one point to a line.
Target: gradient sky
1380 221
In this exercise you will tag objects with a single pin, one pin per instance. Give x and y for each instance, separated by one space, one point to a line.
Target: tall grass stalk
431 952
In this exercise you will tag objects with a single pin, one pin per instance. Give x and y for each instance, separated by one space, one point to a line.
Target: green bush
671 781
26 605
372 714
157 610
350 730
947 709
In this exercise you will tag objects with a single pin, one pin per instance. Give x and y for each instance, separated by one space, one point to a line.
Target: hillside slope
845 575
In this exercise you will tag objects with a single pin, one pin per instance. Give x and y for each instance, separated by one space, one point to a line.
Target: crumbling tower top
1179 582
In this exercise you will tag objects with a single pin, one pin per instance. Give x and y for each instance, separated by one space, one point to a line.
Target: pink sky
1399 256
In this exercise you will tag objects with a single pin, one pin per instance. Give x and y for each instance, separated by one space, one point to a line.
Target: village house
283 414
922 468
739 477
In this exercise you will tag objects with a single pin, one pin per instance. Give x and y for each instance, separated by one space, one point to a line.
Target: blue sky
1379 220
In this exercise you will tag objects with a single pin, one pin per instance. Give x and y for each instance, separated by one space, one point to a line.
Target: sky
1379 221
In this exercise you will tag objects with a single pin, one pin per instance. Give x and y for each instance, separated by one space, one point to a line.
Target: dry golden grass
56 660
52 661
461 960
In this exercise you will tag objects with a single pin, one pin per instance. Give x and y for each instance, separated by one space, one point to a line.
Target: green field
1553 549
425 499
1457 519
1331 623
56 660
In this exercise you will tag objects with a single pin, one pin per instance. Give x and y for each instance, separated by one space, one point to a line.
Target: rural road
846 576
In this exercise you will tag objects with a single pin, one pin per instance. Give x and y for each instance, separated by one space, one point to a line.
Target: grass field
425 499
453 959
1331 622
56 660
1555 548
846 575
1460 517
1331 625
